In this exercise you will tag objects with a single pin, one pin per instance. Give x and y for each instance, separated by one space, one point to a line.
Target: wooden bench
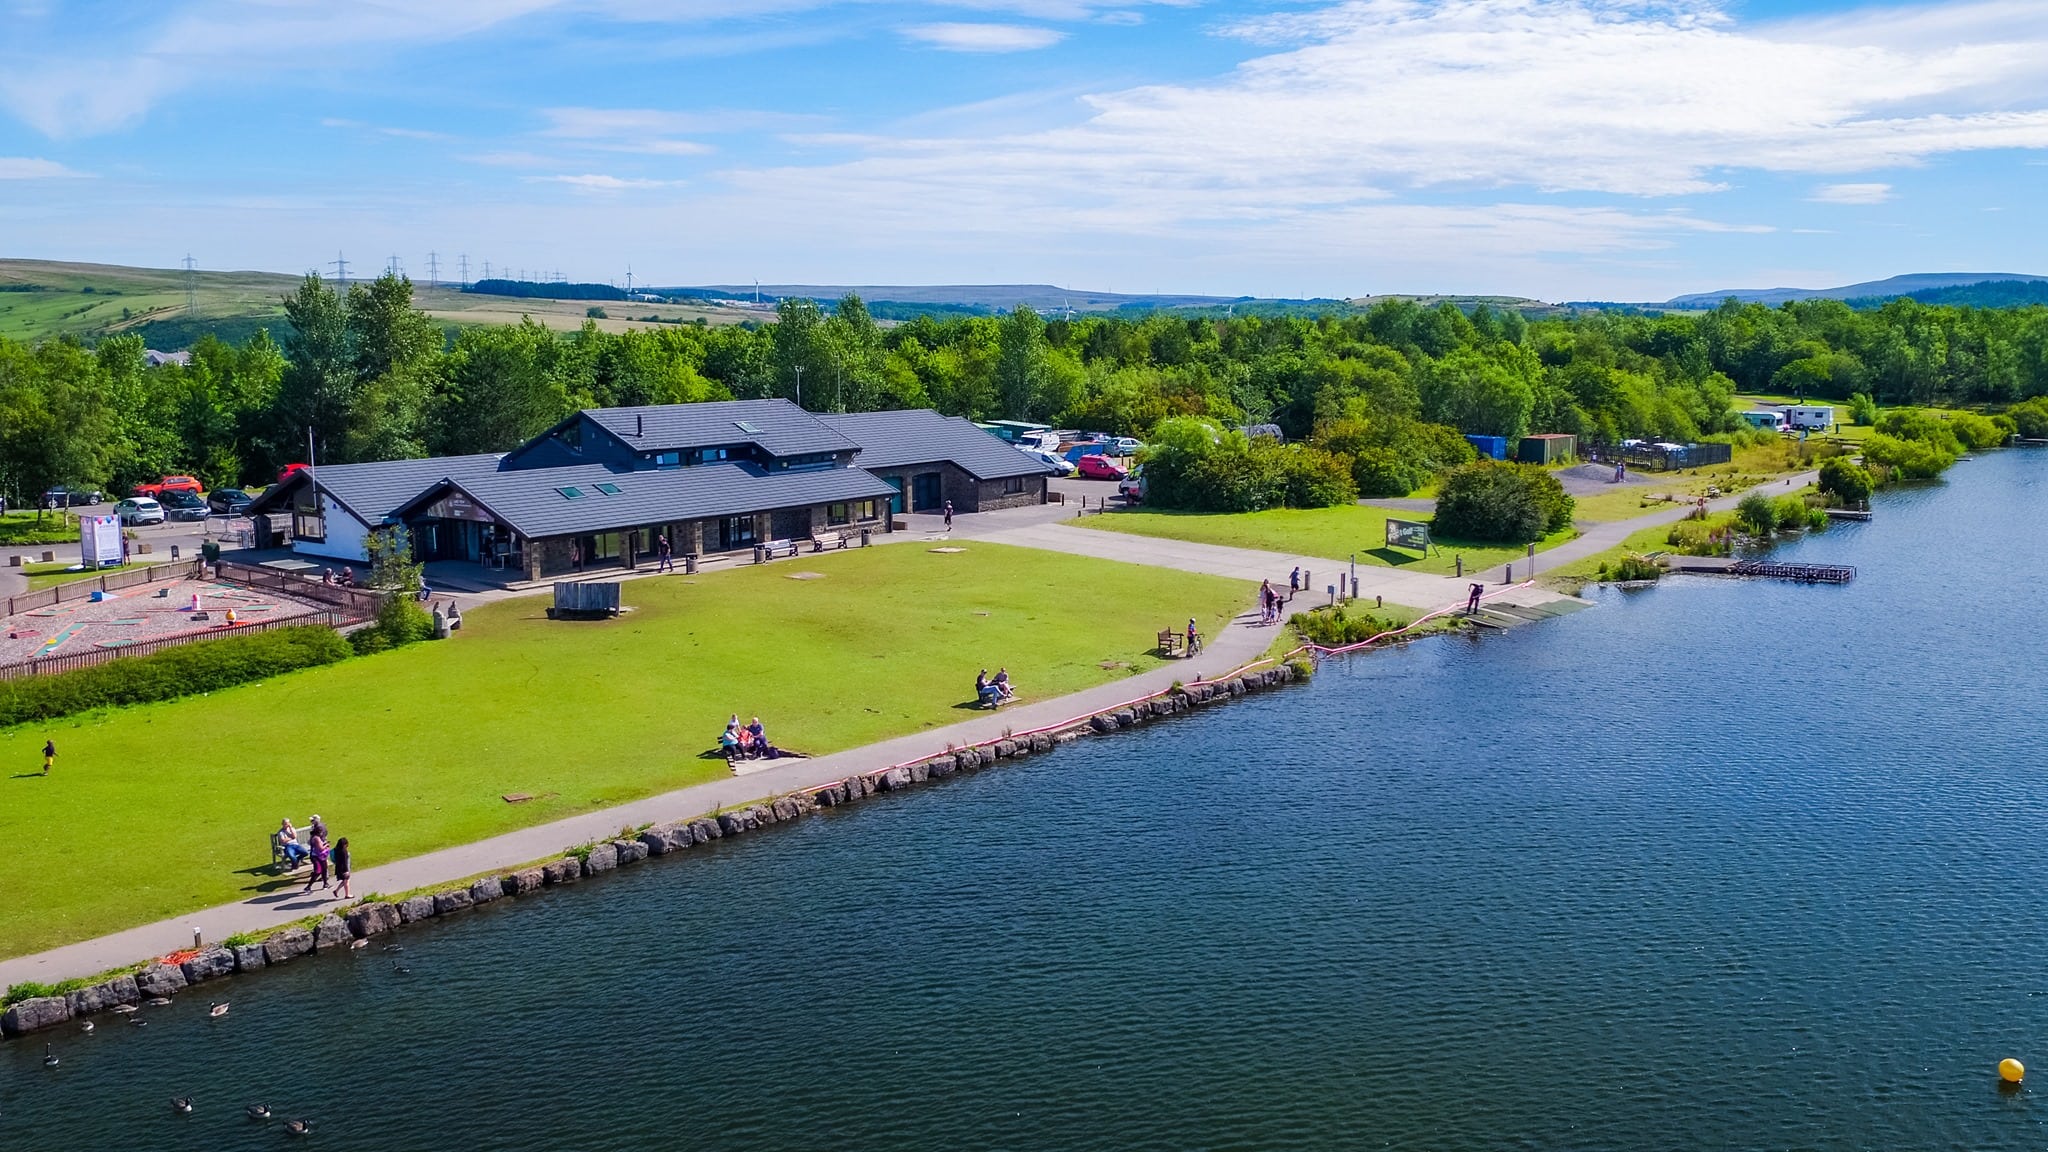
772 548
820 541
1169 641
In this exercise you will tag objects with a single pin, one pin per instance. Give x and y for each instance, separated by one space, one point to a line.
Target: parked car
285 474
1132 488
139 510
67 496
228 501
1098 467
1060 465
1124 446
179 504
156 488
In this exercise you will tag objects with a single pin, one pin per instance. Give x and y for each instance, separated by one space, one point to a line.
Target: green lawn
42 575
1334 533
162 808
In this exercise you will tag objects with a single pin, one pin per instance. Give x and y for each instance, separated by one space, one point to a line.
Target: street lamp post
799 385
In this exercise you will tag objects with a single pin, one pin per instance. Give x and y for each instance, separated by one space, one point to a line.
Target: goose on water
258 1111
220 1009
85 1027
50 1056
299 1127
159 1001
182 1105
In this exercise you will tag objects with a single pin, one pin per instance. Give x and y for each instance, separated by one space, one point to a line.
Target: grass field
1334 533
43 298
162 808
43 575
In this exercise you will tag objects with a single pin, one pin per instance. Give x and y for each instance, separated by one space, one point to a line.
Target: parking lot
185 535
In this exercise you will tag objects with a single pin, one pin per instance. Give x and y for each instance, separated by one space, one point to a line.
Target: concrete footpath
1239 643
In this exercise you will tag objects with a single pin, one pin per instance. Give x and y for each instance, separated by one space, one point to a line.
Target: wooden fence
106 582
357 603
52 665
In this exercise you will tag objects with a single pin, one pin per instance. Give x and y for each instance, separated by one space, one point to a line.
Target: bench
1169 641
820 541
277 844
769 549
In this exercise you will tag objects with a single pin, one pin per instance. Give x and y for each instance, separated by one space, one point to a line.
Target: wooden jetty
1764 569
1848 513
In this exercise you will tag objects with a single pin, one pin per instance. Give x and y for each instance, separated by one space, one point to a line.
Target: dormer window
668 459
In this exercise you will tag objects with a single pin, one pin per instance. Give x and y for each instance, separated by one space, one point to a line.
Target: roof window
571 493
749 429
608 489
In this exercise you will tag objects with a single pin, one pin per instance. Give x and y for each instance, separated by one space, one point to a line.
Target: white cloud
984 37
598 182
34 168
1851 194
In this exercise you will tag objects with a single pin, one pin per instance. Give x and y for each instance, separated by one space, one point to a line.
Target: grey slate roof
922 436
780 427
531 501
373 491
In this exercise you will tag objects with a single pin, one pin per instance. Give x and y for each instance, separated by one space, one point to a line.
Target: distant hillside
1523 304
993 297
1909 285
1987 294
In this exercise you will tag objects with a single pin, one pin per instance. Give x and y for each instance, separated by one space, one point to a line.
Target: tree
1020 364
318 388
1498 502
1848 482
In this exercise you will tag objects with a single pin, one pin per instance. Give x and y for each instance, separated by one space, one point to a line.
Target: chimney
639 424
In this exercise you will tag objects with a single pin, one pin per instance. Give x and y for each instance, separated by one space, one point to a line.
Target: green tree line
1389 388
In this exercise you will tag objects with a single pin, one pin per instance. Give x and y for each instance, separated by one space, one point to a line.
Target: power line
464 268
191 288
340 269
487 269
393 267
433 271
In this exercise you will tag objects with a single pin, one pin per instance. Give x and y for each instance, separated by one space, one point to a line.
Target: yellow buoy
2011 1070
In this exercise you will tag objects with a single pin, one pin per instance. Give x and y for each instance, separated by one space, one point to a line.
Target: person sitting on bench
758 737
986 693
729 740
288 842
1004 688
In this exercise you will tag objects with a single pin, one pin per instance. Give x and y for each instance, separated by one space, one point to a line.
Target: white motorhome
1818 418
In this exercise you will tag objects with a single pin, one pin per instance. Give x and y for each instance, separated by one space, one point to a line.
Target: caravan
1811 418
1767 418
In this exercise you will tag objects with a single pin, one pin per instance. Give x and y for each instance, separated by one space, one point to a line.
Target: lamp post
799 385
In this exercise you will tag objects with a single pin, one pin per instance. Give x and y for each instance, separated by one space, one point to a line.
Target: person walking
340 856
949 515
319 875
49 755
1294 579
667 554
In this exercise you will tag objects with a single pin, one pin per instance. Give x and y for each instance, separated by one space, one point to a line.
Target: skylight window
571 493
608 489
749 429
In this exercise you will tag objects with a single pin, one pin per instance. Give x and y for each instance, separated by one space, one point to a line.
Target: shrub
399 622
1385 472
1195 464
1334 628
1977 432
1847 481
1698 538
1909 459
1862 409
1791 513
1309 477
1758 513
1634 567
596 313
185 670
1509 503
1303 667
2030 417
1921 425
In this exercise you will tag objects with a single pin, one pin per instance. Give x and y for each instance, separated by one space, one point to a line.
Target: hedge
185 670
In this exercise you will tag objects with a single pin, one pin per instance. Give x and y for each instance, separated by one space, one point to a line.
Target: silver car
139 510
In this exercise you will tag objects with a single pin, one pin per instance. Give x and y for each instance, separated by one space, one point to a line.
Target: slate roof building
603 485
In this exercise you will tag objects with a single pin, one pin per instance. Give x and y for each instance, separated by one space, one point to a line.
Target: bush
1758 513
1909 459
1197 465
1497 502
1862 409
2030 417
1848 482
399 622
1634 567
596 313
1334 628
185 670
1385 472
1791 513
1923 426
1309 477
1699 538
1976 432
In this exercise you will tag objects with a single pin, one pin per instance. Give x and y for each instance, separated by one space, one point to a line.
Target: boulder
330 932
602 858
24 1016
629 851
895 780
210 963
829 796
1284 673
762 814
786 809
282 946
920 771
659 840
1125 717
451 901
249 957
703 830
486 890
1102 722
523 881
414 909
965 760
373 920
567 870
735 823
805 802
160 980
1041 742
1236 687
100 997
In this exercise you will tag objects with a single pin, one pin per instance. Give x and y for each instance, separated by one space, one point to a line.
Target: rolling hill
1908 285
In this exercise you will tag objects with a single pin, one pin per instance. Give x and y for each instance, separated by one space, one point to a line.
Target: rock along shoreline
341 930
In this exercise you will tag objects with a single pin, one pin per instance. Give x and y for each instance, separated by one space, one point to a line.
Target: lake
1718 864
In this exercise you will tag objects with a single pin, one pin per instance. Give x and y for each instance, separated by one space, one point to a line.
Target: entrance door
896 501
924 492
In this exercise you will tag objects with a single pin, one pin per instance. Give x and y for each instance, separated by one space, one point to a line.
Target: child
49 755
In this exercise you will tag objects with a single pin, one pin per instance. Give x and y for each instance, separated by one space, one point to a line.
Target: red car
156 488
1099 468
290 470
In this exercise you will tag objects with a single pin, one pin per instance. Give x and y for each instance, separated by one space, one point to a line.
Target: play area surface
135 615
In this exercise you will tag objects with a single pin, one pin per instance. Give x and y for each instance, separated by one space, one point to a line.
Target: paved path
1239 643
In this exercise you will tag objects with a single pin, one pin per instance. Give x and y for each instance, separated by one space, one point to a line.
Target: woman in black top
339 862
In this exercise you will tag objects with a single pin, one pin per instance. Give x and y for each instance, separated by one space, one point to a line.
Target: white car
1059 464
139 510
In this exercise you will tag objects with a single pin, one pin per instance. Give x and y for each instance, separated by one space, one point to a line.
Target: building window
709 455
308 524
1013 485
668 460
604 546
864 509
735 532
836 514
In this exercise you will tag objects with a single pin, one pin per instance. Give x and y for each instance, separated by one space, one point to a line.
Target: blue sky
1563 149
